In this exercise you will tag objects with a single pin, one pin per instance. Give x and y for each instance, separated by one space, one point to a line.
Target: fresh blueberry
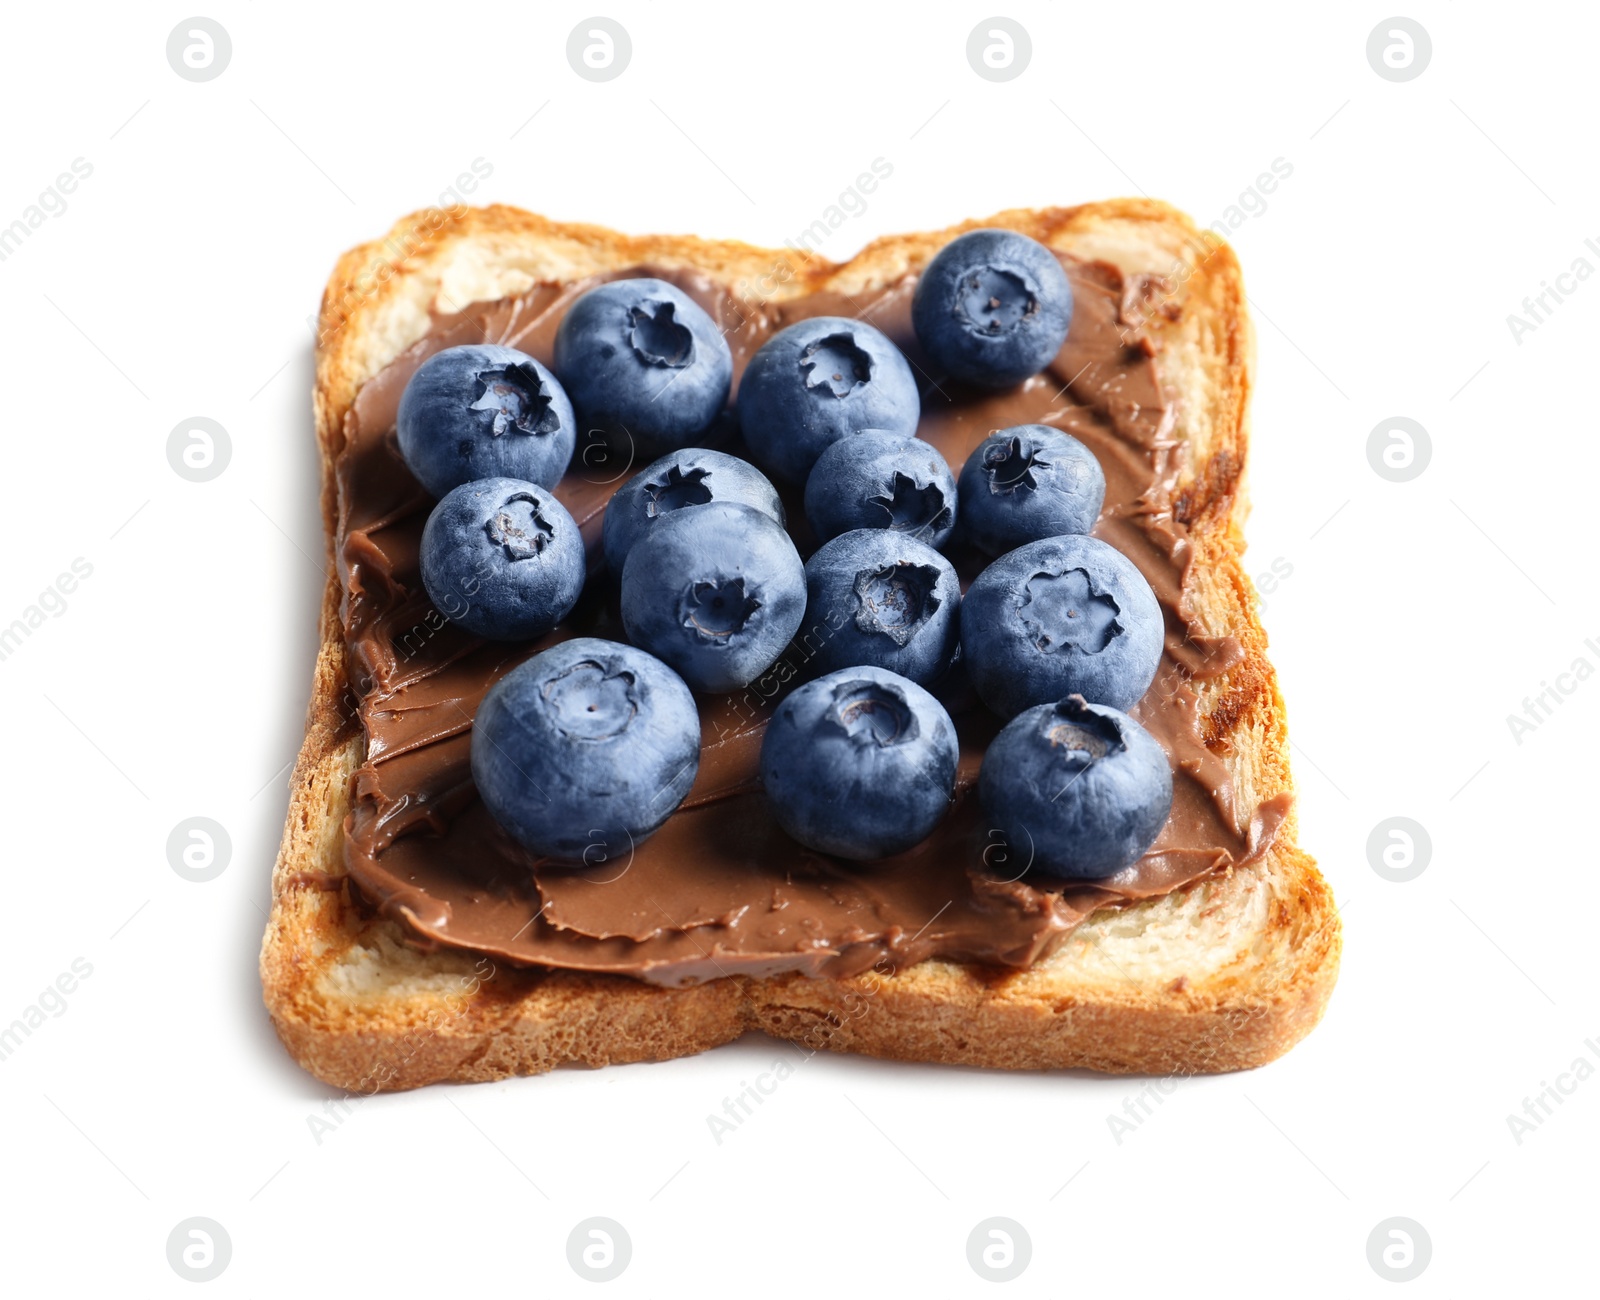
818 381
482 411
882 599
1064 616
502 558
875 479
717 593
992 308
585 749
1024 484
1077 789
642 359
860 764
691 477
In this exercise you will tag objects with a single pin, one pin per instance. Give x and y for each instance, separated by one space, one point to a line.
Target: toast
1226 973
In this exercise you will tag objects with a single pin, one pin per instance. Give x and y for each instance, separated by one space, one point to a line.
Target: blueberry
691 477
882 599
482 411
1027 483
816 382
992 308
1078 789
585 749
502 558
1064 616
881 480
642 359
860 764
717 593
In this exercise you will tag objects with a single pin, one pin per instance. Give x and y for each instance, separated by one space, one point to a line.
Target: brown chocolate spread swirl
720 890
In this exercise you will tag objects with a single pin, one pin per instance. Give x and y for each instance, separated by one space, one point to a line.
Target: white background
1418 615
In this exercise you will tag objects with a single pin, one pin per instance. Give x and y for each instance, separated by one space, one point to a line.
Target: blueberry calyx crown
912 508
719 610
591 700
520 528
518 400
836 365
1081 735
995 300
896 601
1010 466
676 490
873 713
1067 611
657 337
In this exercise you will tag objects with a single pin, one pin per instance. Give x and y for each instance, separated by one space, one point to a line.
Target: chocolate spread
720 890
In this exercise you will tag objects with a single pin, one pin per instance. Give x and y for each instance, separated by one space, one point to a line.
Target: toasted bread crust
1225 974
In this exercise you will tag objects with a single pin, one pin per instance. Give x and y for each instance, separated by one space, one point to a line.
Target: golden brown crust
1224 975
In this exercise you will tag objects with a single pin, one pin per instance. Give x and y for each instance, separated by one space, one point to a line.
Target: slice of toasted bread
1225 974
